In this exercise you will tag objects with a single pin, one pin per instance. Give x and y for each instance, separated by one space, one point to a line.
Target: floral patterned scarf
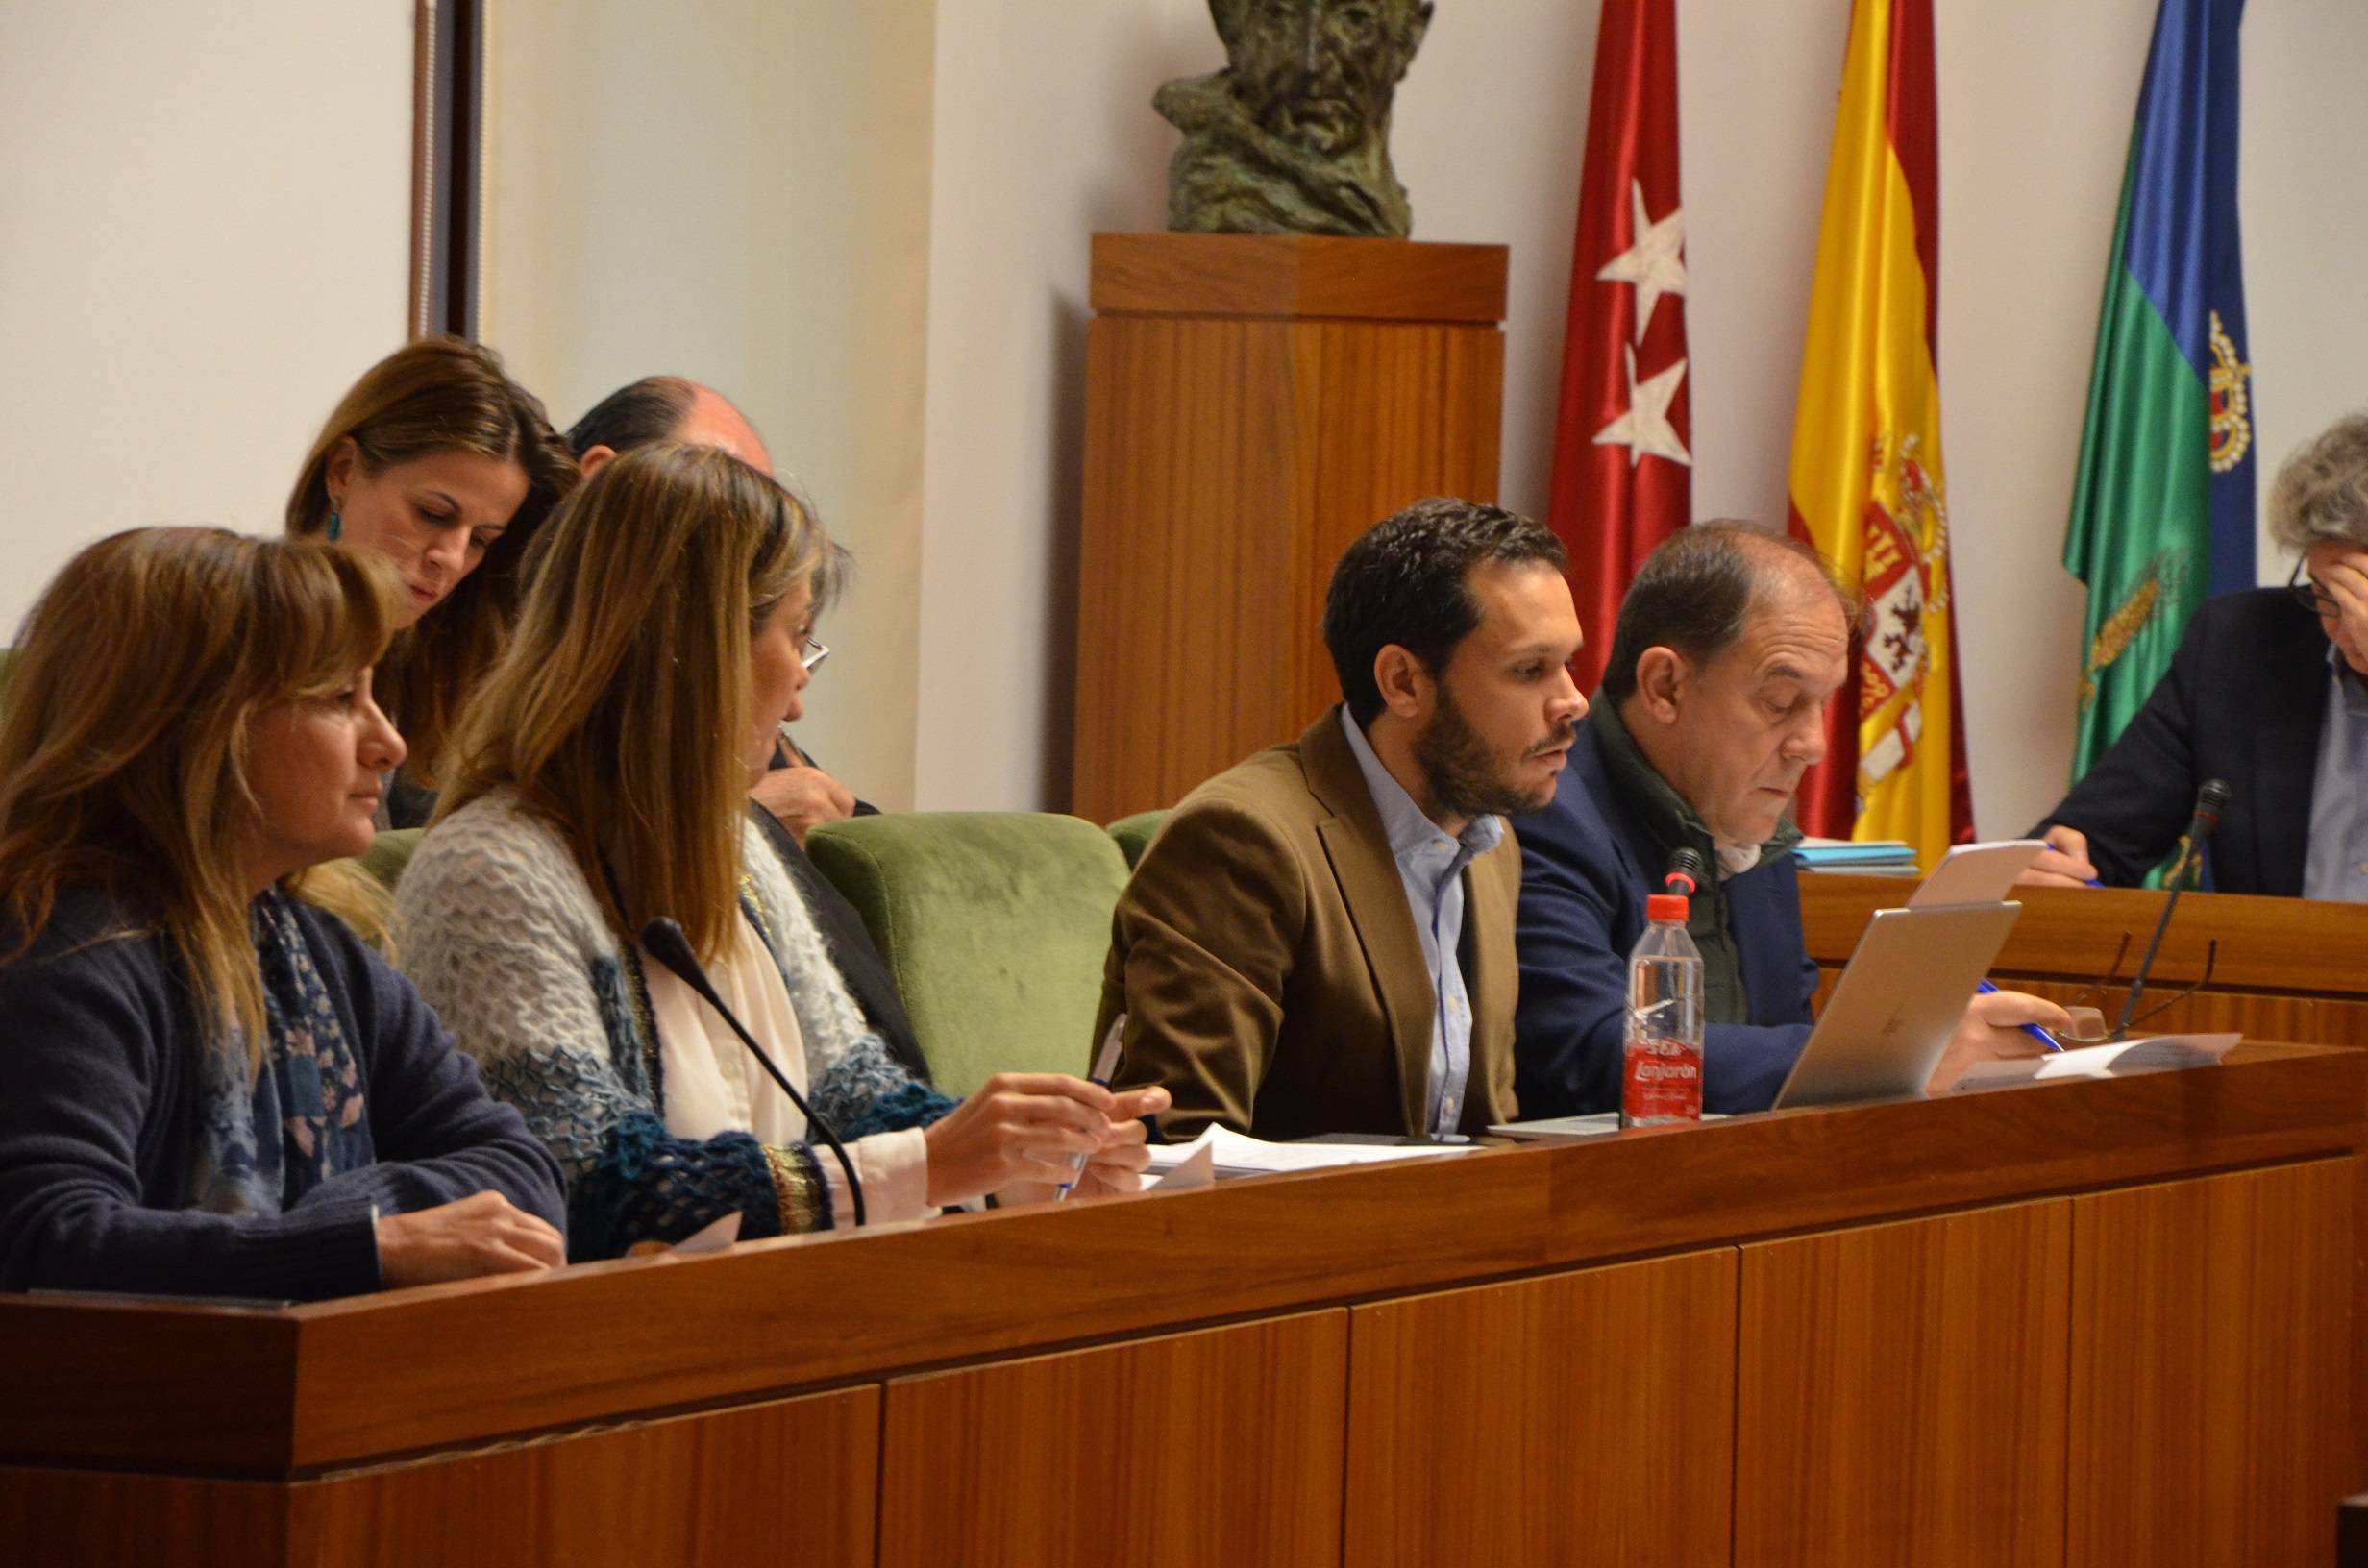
263 1142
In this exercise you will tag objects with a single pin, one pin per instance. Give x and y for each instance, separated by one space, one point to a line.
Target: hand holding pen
1105 1068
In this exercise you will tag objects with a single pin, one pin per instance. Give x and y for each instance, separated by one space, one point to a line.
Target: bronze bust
1292 136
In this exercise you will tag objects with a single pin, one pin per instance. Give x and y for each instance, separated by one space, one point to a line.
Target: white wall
869 224
1044 135
207 211
739 195
2035 103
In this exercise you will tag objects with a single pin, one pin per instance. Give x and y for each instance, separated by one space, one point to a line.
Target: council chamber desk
2269 969
2089 1323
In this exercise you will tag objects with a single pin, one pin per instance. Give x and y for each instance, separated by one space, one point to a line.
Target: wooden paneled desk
2089 1323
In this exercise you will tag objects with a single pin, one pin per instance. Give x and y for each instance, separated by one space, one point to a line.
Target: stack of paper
1870 857
1238 1155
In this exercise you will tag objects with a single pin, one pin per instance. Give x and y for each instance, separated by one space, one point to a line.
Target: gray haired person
2268 692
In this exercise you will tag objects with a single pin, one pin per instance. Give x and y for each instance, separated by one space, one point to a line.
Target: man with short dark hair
1730 641
1319 940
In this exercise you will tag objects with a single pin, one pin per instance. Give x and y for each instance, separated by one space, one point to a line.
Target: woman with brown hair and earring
209 1085
442 464
601 782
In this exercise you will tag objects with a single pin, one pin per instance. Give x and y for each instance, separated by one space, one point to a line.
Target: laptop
1887 1023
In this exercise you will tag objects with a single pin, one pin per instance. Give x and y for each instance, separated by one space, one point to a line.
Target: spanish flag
1868 482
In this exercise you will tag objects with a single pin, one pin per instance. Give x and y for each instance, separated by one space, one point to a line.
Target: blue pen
1987 988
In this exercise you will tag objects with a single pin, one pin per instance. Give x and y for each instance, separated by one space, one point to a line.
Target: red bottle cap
1666 906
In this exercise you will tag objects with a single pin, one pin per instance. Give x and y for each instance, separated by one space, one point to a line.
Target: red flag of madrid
1623 462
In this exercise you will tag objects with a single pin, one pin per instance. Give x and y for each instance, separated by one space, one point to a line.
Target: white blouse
714 1086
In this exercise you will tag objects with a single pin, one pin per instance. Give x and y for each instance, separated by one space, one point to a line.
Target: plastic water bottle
1662 1072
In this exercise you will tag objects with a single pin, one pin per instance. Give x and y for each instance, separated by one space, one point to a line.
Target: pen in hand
1986 988
1105 1068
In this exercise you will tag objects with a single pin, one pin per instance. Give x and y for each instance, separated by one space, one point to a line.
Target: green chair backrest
1134 834
388 853
994 925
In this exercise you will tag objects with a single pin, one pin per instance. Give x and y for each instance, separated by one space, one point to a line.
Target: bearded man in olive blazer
1319 940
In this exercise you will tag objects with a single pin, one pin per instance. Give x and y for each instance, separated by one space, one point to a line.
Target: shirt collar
1409 829
2351 686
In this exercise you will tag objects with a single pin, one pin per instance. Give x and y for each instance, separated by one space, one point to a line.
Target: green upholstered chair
388 853
994 925
1134 834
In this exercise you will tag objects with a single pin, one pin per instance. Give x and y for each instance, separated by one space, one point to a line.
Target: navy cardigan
96 1124
1583 882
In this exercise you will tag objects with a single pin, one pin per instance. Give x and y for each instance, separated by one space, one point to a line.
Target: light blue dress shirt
2335 863
1430 864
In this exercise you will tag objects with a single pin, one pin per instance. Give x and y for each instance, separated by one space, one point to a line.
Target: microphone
1686 872
2210 802
663 937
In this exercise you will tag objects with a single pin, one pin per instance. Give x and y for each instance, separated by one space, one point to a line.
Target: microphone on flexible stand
664 938
2210 802
1685 874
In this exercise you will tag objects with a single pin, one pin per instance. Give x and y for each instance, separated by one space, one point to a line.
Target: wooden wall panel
1582 1417
1186 562
1207 1450
1900 1393
2209 1352
1252 403
788 1481
105 1519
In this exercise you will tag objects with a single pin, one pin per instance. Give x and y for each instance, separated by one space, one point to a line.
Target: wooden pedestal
1253 402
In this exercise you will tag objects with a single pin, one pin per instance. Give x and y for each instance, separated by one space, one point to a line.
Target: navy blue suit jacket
1586 870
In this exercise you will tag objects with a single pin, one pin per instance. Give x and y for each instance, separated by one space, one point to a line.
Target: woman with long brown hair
439 462
209 1084
601 782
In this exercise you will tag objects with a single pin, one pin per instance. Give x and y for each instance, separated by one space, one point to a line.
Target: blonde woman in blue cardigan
601 782
209 1084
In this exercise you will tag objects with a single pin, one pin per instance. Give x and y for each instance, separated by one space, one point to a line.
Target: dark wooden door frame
448 101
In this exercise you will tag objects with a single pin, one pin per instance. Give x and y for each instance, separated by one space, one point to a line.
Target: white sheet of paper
1198 1168
714 1236
2155 1053
1235 1154
1975 874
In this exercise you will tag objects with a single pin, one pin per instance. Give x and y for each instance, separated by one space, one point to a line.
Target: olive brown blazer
1266 960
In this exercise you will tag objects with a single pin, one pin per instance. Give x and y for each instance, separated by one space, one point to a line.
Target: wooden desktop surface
1842 1336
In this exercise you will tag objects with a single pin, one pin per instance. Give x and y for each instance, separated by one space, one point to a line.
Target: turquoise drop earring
336 527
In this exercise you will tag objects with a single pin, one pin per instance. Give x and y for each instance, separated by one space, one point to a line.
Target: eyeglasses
2307 594
811 654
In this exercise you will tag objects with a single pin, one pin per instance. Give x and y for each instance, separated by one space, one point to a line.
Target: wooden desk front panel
2209 1349
795 1477
1900 1393
110 1519
2256 1015
1583 1417
1204 1450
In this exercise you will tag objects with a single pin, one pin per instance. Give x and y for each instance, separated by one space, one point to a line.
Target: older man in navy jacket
1730 643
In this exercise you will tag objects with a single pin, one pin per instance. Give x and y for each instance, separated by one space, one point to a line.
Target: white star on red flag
1654 260
1645 428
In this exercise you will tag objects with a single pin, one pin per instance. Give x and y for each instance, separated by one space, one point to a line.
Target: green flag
2163 507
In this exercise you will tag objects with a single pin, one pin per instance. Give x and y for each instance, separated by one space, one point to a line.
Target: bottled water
1662 1072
